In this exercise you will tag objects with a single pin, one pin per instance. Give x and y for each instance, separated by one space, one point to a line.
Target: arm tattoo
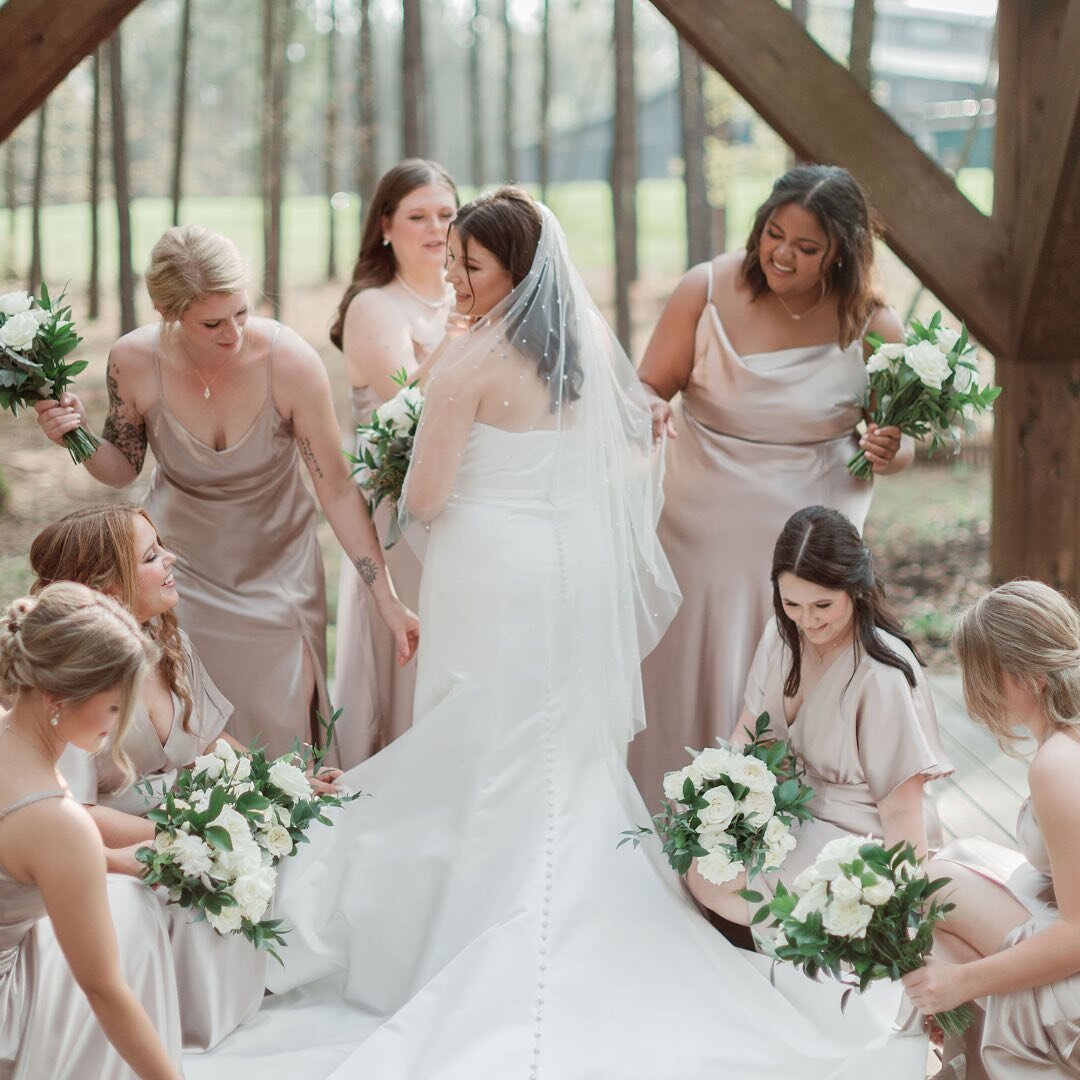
128 436
367 569
308 454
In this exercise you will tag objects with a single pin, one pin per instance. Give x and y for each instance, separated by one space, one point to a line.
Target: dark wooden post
692 110
624 168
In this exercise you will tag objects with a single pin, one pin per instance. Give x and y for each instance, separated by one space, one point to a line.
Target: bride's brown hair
95 547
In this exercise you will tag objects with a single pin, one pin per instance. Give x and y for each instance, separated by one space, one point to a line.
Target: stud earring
386 241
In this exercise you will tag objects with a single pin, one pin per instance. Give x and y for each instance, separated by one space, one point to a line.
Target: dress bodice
499 464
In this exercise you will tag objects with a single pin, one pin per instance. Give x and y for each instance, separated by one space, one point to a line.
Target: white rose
928 362
200 802
947 337
44 316
964 376
757 806
778 842
210 764
814 899
234 823
224 751
395 412
290 780
243 789
253 893
15 303
721 808
240 768
879 893
245 858
847 920
673 783
283 815
227 922
278 841
846 890
842 850
751 772
713 839
19 331
713 762
162 842
718 868
806 880
191 854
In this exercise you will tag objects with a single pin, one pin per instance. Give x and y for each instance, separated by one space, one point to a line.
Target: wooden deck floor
984 796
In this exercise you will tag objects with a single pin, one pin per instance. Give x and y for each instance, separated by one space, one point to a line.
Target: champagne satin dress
759 437
1029 1034
373 691
220 980
47 1028
248 564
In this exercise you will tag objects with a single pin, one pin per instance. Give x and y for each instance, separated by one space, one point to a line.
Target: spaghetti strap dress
760 436
248 566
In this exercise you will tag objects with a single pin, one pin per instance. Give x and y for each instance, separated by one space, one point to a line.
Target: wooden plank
43 41
824 115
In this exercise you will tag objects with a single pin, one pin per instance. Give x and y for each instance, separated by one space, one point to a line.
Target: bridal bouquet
385 448
864 914
221 831
732 809
925 386
36 333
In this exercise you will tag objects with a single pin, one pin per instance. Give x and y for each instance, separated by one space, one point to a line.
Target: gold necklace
433 304
798 318
195 368
819 655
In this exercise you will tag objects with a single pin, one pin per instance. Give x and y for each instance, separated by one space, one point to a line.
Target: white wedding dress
471 917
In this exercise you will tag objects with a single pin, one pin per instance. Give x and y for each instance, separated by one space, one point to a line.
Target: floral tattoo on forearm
367 569
128 436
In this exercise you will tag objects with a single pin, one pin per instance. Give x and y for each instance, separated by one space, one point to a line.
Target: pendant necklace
802 315
433 304
195 368
818 654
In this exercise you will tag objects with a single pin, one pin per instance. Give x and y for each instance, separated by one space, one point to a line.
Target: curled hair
1031 632
821 546
189 262
95 546
837 200
508 223
376 265
72 643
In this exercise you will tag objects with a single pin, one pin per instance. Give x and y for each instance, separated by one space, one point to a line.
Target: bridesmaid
179 714
765 348
74 1001
392 315
1014 936
843 684
229 404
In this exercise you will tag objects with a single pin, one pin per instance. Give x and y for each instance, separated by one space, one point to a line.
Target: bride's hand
405 627
662 423
322 782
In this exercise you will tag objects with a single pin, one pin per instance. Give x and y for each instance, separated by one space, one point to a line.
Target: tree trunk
413 89
624 168
476 96
10 199
121 185
801 10
862 41
93 289
35 215
331 142
544 143
180 116
276 28
367 137
508 94
692 110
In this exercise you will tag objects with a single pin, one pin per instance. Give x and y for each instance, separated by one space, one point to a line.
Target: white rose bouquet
385 448
925 386
36 334
222 830
732 808
860 913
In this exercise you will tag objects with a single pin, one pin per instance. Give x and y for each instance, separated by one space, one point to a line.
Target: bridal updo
1030 631
71 642
189 262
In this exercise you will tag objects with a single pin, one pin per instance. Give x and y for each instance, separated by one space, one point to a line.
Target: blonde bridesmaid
230 404
765 348
86 980
391 317
1013 940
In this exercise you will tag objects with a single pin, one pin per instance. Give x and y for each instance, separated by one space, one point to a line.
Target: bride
473 920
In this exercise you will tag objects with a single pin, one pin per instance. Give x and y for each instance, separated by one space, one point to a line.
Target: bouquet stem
860 468
954 1022
81 444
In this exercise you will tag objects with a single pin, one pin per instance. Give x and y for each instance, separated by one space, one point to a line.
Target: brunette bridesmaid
392 315
765 347
86 979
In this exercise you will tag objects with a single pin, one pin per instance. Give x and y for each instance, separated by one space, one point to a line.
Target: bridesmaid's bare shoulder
886 324
131 366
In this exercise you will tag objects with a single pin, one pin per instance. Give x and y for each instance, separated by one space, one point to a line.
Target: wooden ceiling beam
43 40
824 115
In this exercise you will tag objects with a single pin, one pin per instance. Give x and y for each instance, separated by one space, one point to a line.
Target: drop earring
54 718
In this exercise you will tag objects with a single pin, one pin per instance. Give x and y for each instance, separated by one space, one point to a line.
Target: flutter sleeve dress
47 1028
248 565
1029 1034
220 980
759 436
861 731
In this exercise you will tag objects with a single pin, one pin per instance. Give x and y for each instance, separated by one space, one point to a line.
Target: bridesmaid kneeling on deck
844 686
74 1002
1014 936
178 715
